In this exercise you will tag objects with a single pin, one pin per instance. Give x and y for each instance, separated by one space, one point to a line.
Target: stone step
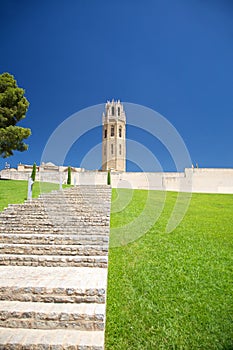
56 339
51 260
76 198
69 227
57 220
69 230
52 219
45 249
53 270
37 211
84 195
85 188
70 194
16 314
75 192
53 239
63 199
83 191
80 230
102 201
62 196
30 220
76 203
53 284
50 204
68 208
90 203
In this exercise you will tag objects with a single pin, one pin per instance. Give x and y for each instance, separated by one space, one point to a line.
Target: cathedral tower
113 137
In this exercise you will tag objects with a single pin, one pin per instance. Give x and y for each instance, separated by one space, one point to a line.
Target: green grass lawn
173 291
15 191
166 291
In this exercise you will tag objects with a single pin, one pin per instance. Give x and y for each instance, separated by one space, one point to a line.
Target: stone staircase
53 270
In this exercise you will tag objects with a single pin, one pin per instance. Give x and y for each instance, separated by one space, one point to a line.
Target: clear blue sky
175 57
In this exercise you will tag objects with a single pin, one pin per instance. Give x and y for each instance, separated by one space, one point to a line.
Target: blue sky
175 57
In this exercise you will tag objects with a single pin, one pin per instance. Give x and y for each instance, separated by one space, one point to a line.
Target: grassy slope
167 291
15 191
174 291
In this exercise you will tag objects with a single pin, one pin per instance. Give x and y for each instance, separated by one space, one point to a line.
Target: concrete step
16 314
56 339
53 284
51 260
58 249
53 239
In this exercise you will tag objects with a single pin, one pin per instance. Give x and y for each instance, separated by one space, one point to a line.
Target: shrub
69 176
109 178
33 175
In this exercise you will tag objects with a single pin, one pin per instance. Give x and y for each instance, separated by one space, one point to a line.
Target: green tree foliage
109 178
13 108
33 175
69 176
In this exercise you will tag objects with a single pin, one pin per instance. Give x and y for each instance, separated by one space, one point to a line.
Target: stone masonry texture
53 270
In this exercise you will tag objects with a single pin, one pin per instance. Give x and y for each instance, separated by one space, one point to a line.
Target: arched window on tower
113 110
118 111
120 149
105 133
112 130
120 131
112 148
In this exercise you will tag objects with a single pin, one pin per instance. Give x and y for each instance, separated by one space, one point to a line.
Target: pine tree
13 108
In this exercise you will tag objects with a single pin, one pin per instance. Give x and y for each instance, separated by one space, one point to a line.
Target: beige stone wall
192 180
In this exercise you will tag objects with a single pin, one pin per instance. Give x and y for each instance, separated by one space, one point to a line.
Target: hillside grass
166 291
173 291
15 191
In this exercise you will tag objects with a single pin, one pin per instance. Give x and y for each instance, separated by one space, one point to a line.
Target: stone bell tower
113 137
